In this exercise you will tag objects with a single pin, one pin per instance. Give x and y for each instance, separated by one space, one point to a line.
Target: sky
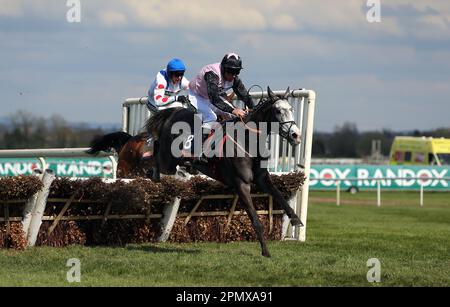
392 74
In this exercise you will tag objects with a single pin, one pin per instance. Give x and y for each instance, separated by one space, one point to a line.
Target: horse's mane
155 121
263 104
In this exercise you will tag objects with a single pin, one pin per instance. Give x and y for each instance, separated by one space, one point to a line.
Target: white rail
379 188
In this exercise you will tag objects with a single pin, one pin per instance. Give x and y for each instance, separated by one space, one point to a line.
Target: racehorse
236 172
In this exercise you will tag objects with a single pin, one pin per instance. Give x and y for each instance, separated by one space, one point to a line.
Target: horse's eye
278 112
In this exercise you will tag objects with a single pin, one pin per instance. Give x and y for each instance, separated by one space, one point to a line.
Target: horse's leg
134 159
243 177
153 174
150 169
130 158
262 179
123 167
243 190
156 176
238 173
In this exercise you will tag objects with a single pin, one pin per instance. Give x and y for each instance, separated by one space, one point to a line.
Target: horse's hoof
266 254
193 171
295 221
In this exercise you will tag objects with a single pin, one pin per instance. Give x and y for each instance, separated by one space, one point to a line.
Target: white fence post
338 193
302 210
39 208
421 195
378 193
114 166
44 164
29 206
125 115
169 216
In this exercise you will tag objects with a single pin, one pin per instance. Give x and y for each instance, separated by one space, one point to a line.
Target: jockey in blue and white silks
168 88
212 84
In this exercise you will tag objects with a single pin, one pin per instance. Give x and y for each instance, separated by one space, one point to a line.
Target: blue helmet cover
176 65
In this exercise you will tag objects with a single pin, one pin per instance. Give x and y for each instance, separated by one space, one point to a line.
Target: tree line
23 130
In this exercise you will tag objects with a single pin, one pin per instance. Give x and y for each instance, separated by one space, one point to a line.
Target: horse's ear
271 94
288 93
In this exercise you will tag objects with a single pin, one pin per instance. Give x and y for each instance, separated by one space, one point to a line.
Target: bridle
283 133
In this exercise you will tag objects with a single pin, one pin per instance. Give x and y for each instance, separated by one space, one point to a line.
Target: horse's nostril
294 135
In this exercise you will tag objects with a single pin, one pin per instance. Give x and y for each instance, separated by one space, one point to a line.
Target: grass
412 244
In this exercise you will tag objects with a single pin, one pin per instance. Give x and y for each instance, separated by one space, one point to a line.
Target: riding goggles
177 74
233 71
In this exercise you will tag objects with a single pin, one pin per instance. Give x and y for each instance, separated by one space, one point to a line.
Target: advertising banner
323 177
431 177
80 167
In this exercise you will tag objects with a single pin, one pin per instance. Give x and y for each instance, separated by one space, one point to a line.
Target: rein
257 131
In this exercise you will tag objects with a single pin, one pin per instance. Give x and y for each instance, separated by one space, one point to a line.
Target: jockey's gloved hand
182 99
239 112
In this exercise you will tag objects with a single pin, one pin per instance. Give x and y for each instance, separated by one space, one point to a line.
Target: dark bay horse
236 172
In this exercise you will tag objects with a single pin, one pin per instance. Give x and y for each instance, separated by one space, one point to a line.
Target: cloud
200 14
10 8
284 22
400 18
433 27
425 20
112 18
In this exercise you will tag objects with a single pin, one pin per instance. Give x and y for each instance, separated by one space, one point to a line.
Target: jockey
165 90
164 93
212 86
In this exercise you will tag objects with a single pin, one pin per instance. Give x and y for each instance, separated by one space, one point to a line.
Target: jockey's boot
200 159
207 129
190 162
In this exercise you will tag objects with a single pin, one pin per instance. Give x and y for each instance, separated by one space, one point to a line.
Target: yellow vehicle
420 151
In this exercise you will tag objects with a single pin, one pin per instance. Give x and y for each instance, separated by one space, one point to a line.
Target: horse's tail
114 140
155 122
